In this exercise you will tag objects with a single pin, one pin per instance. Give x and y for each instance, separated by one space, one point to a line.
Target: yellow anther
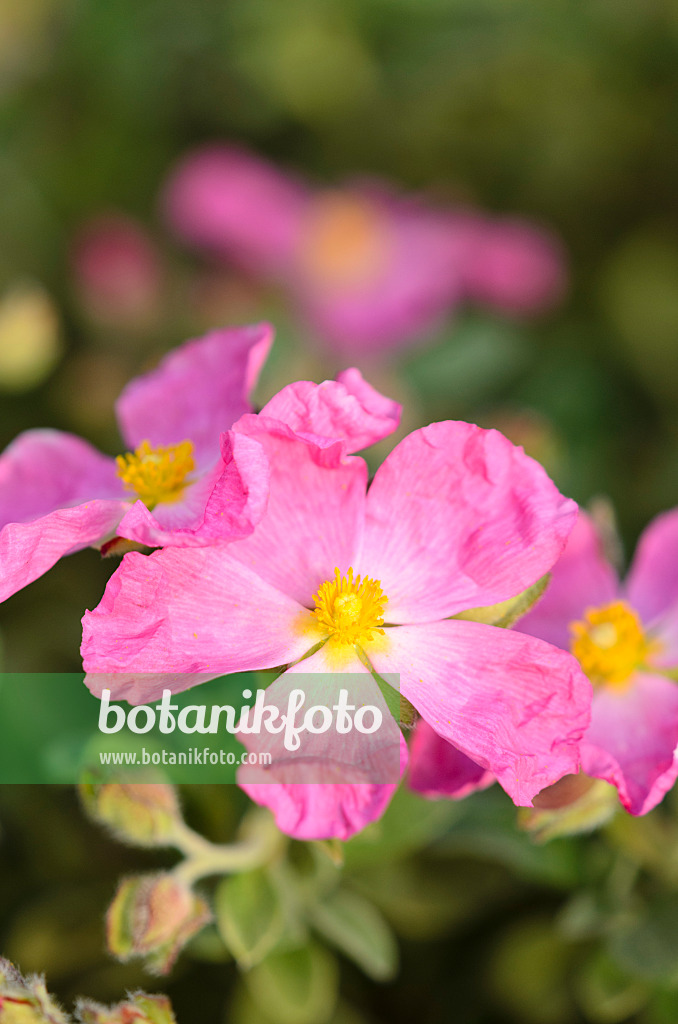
350 611
610 643
157 474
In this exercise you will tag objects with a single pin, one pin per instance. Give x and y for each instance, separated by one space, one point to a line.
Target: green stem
262 842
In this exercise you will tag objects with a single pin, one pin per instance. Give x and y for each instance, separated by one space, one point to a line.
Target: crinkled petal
632 740
196 393
27 550
458 517
314 518
224 504
438 769
349 409
227 200
183 615
43 470
352 777
516 706
581 578
652 583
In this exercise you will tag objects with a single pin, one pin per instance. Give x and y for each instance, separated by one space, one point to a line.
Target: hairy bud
25 1000
139 1009
140 814
154 916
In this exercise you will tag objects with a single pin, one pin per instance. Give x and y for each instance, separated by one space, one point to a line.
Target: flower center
350 610
157 474
609 643
347 240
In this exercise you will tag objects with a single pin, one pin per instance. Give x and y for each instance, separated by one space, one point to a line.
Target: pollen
157 474
350 609
610 643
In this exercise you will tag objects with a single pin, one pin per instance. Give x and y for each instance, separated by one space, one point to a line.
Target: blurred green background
562 111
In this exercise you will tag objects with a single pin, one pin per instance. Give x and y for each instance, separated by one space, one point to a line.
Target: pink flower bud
140 1009
25 1000
141 814
154 916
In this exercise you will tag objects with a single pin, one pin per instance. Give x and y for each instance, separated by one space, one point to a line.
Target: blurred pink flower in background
514 267
368 269
118 272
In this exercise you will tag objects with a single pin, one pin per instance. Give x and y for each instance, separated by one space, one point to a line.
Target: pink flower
367 268
455 518
626 638
58 494
117 270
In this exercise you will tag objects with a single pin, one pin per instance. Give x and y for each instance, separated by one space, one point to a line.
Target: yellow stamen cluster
346 240
610 643
157 474
351 611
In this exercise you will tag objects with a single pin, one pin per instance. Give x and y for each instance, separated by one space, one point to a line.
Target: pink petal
632 740
315 510
665 631
458 517
348 409
197 392
334 785
516 267
50 483
224 504
183 615
438 769
43 470
317 810
27 550
516 706
581 578
652 583
237 205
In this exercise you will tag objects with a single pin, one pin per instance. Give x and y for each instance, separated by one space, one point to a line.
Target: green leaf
356 928
486 828
249 916
479 356
606 993
408 824
508 612
528 971
296 986
647 944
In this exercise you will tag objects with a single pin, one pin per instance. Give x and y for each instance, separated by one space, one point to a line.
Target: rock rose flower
58 494
350 578
367 268
625 636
